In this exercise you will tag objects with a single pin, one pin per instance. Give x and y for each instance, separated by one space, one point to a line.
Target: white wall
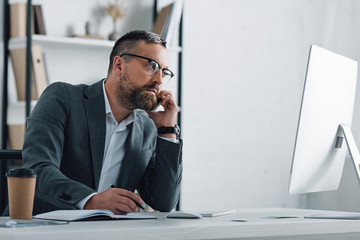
244 68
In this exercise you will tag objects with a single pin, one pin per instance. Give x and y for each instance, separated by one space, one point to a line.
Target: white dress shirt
116 134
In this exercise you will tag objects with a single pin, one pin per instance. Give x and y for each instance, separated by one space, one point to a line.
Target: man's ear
117 65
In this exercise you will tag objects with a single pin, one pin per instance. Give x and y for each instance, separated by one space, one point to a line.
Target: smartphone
157 105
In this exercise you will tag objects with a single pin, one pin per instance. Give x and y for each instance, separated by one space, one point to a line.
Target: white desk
255 227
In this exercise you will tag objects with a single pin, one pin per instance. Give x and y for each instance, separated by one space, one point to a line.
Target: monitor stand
353 150
355 156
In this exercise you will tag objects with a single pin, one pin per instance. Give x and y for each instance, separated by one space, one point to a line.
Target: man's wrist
84 201
169 131
168 135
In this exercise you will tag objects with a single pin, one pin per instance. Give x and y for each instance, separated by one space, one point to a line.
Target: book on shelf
39 70
168 20
16 136
18 13
88 215
46 82
38 20
161 24
39 79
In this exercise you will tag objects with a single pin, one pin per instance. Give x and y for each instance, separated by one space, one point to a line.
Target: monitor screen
327 102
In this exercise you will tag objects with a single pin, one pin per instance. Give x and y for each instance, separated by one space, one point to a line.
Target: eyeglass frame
151 60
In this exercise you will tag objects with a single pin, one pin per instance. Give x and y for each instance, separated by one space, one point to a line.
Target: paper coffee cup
21 191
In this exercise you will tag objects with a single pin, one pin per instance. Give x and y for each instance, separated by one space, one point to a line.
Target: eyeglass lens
153 67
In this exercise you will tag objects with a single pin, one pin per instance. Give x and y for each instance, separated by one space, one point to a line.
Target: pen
137 204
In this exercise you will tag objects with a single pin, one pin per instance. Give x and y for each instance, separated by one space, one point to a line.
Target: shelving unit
49 43
3 160
63 42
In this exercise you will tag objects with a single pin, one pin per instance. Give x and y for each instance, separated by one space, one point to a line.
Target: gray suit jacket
64 144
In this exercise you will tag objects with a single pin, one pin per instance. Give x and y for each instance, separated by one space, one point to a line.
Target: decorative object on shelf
88 33
116 11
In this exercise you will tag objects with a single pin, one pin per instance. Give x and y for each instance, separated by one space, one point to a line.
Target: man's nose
157 77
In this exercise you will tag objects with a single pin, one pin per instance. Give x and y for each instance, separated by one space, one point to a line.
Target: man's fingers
123 205
129 195
119 201
126 200
128 204
164 93
122 209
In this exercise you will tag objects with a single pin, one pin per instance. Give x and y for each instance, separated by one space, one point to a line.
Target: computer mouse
182 214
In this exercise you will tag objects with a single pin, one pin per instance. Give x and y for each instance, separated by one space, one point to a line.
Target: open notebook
87 215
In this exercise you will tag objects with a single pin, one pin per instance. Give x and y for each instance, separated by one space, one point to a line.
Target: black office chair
6 158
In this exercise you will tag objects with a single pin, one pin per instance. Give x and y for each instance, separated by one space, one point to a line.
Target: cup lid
21 172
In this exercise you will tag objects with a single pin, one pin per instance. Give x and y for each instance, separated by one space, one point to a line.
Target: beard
132 98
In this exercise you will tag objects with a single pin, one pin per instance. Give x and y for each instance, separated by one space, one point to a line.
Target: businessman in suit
82 139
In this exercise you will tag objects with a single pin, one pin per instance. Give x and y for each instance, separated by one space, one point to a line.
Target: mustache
152 85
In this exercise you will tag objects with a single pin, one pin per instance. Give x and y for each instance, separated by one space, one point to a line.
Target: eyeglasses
153 67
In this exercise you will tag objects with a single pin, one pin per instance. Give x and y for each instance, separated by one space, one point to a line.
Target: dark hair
128 42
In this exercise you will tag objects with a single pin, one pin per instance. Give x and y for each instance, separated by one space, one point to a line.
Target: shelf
49 41
60 41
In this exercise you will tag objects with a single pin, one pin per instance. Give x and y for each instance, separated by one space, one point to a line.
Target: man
83 139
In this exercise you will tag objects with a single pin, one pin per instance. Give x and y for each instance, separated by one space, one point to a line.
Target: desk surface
257 226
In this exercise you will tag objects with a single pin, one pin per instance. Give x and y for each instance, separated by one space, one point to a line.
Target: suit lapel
133 146
95 112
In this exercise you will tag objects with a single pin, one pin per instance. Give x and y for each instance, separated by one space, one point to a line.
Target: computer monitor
325 120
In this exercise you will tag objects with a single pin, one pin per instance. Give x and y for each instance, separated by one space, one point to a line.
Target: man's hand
168 117
119 201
